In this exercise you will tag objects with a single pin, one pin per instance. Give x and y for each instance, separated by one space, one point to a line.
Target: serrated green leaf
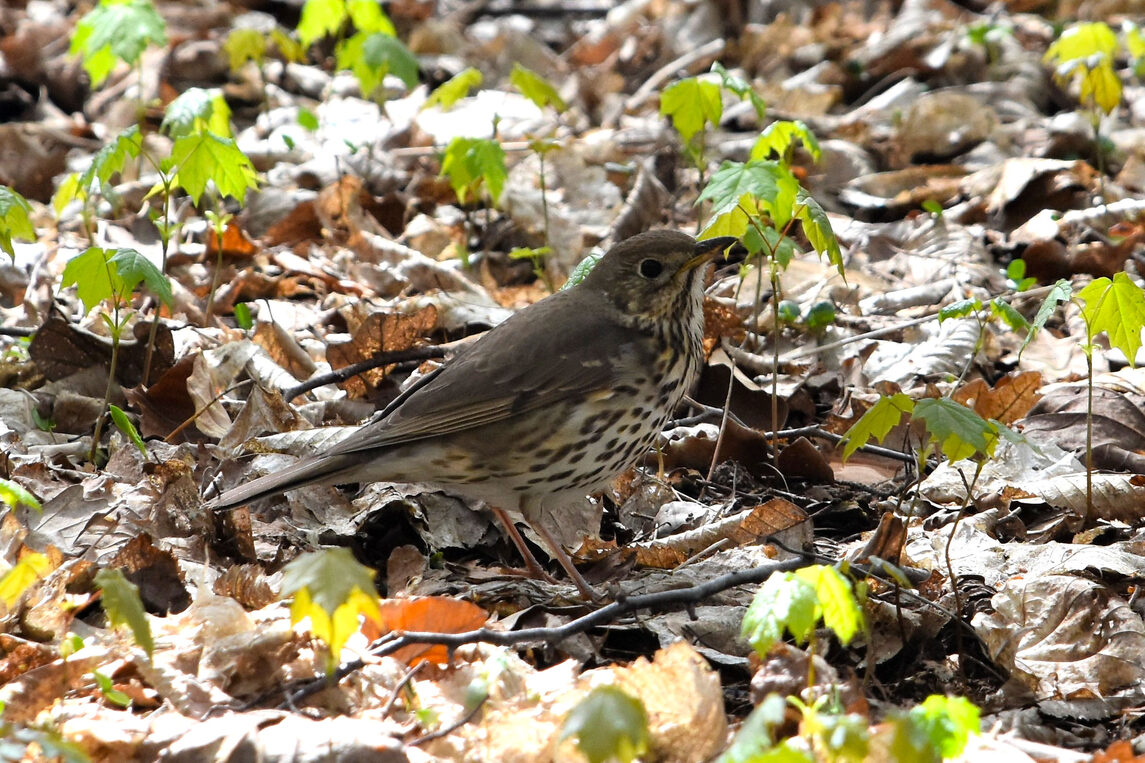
608 724
536 88
369 17
124 425
472 162
15 219
332 589
740 87
1082 41
202 157
94 277
779 137
937 729
13 494
783 603
960 432
839 609
123 606
22 576
877 422
1116 307
116 29
454 89
134 269
197 109
244 45
817 228
371 56
111 159
735 183
959 309
320 18
1011 317
692 103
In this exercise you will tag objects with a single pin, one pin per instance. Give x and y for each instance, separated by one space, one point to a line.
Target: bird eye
651 268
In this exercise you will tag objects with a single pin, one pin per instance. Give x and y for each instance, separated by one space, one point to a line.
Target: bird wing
536 358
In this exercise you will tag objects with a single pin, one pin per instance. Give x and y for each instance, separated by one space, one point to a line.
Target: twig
684 63
451 727
425 352
623 605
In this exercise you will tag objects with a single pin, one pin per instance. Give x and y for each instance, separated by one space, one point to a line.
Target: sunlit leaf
608 724
536 88
22 576
691 103
454 89
121 602
15 219
1116 307
877 422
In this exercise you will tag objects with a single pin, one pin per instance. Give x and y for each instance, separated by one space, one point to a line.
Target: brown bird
547 407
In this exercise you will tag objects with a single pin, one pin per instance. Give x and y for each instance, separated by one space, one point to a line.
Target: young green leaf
469 163
454 89
819 316
1085 52
244 45
692 103
779 138
288 47
94 277
1003 310
608 724
735 184
22 576
960 309
320 18
14 495
817 228
202 157
123 606
741 88
1116 307
116 29
1016 276
197 109
124 425
369 17
15 219
960 432
332 589
371 56
243 316
108 690
877 422
936 730
134 269
756 737
836 600
783 603
536 88
111 159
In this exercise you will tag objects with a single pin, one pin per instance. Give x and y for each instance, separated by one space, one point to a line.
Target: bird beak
708 249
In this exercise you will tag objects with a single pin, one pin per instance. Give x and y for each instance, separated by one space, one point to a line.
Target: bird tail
328 470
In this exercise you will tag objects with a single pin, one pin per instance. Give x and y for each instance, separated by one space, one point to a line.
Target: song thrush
548 406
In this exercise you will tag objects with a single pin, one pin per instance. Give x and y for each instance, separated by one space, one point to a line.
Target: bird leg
581 584
531 563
